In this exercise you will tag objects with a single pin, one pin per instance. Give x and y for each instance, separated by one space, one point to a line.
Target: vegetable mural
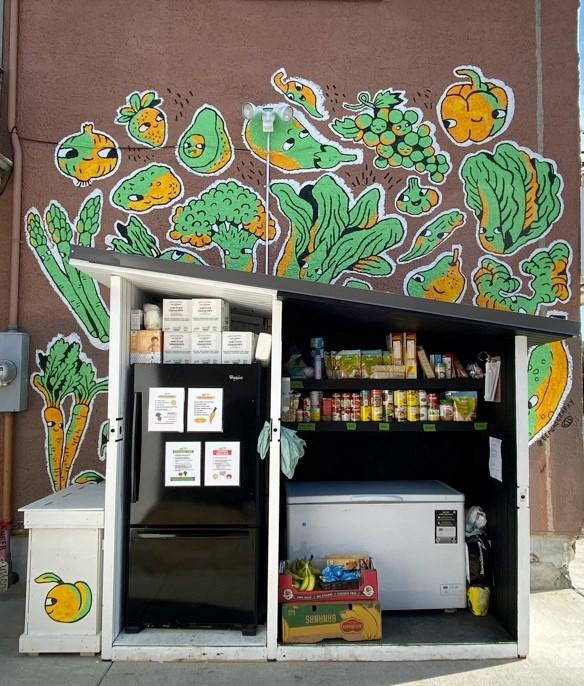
144 120
433 234
549 281
550 380
135 238
296 146
205 146
51 242
475 110
147 189
442 280
65 373
331 232
229 216
87 155
515 195
301 92
415 199
66 603
395 133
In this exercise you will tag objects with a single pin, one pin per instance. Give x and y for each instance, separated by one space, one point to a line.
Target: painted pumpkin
87 155
477 111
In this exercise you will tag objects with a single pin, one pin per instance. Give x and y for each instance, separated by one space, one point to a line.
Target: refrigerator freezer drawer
192 578
417 548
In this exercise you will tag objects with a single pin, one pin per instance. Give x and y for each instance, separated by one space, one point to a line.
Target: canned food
299 416
400 398
355 400
336 416
388 412
424 413
433 414
327 409
315 414
346 402
422 398
401 413
364 398
365 412
446 410
315 398
440 370
433 400
306 415
377 405
306 403
413 413
345 415
412 399
355 414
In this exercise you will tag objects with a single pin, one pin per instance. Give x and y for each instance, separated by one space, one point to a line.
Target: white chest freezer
413 530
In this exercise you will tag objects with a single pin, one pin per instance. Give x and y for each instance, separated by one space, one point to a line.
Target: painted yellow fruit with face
153 186
66 603
87 155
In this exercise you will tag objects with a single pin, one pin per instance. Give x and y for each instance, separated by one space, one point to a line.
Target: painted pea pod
433 234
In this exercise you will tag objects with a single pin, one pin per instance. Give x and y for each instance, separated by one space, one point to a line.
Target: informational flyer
205 409
182 464
495 459
222 463
166 408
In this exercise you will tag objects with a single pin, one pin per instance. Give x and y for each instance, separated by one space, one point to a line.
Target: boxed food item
177 342
410 355
136 319
174 357
315 622
146 346
209 314
388 371
176 314
238 347
395 342
206 348
350 561
370 358
365 588
348 364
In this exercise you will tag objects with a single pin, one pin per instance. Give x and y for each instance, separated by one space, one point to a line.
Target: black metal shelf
385 427
390 384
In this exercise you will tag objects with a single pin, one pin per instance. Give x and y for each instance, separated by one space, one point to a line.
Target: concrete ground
557 657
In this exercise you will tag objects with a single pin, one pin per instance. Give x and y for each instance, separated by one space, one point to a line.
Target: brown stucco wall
80 60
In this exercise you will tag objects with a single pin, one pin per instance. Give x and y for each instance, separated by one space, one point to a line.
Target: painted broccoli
228 215
549 281
332 233
135 238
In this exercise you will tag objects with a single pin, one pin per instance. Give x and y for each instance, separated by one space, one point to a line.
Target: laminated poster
222 463
166 409
182 465
205 409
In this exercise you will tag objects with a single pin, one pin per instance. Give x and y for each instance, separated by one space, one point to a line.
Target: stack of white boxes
197 332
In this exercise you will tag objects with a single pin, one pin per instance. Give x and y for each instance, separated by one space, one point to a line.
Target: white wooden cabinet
64 572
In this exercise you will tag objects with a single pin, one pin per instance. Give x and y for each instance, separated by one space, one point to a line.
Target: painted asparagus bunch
52 240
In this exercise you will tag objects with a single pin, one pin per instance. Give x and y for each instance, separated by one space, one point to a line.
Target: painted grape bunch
395 133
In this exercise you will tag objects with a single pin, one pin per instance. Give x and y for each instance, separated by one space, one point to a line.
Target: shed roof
256 291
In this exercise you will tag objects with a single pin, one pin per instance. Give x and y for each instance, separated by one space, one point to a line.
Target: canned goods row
375 406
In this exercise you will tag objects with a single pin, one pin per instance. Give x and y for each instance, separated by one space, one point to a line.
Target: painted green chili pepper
434 233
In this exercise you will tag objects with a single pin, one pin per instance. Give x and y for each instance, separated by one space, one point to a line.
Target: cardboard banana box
312 623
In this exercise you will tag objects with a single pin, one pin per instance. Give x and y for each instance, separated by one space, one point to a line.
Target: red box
368 590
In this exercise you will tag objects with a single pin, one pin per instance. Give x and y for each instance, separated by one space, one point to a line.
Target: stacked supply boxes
193 330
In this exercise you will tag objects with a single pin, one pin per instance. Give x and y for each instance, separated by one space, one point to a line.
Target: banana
311 582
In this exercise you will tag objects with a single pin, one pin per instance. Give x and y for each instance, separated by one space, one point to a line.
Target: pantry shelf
392 384
384 427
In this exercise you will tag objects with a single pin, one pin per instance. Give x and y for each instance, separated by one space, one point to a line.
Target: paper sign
182 465
166 409
205 409
222 463
495 459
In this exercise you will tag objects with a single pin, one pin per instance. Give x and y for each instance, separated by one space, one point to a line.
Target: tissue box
176 314
209 314
206 348
238 347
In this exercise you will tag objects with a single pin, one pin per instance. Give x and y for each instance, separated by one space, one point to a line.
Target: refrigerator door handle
136 447
155 536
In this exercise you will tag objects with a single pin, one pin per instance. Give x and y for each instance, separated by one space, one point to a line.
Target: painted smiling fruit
205 147
149 188
301 93
87 155
476 111
294 148
548 377
442 280
65 603
146 122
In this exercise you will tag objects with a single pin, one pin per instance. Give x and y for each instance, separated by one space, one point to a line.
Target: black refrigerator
196 555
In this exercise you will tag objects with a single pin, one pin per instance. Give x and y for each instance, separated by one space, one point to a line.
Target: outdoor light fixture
268 114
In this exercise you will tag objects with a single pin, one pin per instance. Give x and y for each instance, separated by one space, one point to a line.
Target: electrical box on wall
13 371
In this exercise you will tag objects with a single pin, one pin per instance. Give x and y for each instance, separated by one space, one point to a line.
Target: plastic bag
478 600
479 563
291 448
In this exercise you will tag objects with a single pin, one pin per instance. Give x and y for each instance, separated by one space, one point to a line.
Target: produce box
312 623
366 589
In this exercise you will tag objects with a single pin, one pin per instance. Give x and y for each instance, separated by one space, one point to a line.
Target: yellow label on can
413 413
365 413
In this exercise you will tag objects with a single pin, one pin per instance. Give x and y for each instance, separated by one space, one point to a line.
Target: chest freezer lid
78 506
364 492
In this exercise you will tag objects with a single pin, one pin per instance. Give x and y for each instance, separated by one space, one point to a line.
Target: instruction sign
222 463
182 465
205 409
166 409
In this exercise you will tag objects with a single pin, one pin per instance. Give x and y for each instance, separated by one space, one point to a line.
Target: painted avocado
295 146
149 188
205 146
87 155
442 280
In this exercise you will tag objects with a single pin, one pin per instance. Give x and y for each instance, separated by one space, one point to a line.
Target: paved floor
557 657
